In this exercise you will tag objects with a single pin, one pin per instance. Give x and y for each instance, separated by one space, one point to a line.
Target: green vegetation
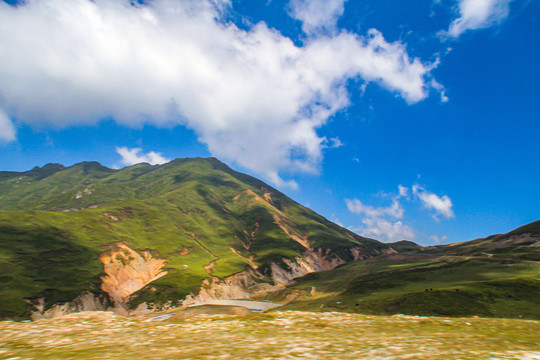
55 221
497 277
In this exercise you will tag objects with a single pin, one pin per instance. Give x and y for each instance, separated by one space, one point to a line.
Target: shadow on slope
487 285
30 259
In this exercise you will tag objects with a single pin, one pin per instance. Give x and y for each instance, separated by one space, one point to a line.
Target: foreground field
289 334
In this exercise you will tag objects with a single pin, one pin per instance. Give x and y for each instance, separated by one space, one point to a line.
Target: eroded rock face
311 261
244 285
128 271
86 301
359 254
238 286
389 251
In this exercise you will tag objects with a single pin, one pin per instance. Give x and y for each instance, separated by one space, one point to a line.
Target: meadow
273 335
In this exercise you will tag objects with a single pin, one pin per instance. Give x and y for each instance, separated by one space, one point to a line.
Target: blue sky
399 120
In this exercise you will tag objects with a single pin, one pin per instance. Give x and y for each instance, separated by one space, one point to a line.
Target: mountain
497 276
145 237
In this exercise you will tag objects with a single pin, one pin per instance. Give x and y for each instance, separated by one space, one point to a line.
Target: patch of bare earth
276 335
128 271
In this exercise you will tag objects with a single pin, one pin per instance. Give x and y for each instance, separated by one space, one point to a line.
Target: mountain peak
87 165
45 171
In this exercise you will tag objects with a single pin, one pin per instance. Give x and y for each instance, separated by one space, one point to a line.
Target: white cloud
132 156
477 14
403 191
335 220
380 222
439 239
386 231
7 129
387 223
357 207
333 143
442 91
252 96
317 15
441 205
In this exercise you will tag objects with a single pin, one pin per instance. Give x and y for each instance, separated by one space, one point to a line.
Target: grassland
55 221
461 288
494 277
275 335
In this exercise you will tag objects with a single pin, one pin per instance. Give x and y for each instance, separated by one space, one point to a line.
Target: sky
414 120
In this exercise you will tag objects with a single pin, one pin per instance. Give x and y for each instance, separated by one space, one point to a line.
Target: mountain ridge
210 227
149 237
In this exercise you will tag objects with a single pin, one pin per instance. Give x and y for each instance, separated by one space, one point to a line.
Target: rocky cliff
128 271
86 301
250 282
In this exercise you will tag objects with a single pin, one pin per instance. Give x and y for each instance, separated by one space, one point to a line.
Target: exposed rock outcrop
238 286
127 272
389 251
311 261
86 301
248 283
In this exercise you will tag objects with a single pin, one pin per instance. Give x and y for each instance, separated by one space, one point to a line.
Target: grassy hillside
494 277
208 221
55 221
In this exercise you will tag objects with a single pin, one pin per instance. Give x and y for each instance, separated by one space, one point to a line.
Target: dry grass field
274 335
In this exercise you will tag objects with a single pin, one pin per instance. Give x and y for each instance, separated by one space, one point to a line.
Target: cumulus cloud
439 239
333 143
7 130
387 223
382 222
357 207
317 15
441 205
132 157
335 220
441 89
403 191
477 14
387 231
252 96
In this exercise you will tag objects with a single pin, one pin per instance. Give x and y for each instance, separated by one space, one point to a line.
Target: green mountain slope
498 276
205 219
